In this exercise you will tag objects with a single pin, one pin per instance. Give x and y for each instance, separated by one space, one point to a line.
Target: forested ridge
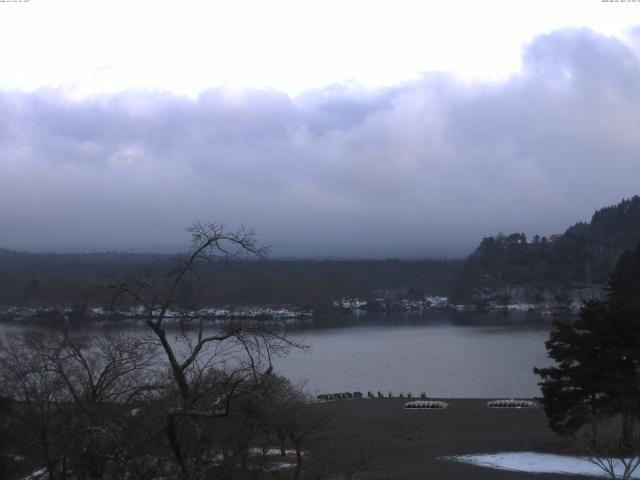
65 279
544 268
582 256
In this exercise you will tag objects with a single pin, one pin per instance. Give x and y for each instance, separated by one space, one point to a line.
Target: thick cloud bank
423 168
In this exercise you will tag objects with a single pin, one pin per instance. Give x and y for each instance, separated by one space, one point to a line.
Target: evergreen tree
597 371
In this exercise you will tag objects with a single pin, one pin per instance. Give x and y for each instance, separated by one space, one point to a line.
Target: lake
445 354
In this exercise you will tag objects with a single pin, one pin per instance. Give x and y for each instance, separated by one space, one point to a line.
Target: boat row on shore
501 403
370 395
423 402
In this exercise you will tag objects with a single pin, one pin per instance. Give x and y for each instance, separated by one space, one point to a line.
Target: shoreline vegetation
346 306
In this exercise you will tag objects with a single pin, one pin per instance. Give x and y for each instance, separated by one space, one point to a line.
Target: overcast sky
333 128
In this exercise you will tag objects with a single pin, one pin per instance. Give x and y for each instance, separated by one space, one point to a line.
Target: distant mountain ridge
562 270
582 257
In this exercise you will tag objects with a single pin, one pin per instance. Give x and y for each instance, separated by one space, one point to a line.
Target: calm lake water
445 354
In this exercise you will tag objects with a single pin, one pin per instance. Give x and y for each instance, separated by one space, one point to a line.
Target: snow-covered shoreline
99 314
358 305
533 462
287 313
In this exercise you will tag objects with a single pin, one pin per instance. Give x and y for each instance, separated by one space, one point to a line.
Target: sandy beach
392 442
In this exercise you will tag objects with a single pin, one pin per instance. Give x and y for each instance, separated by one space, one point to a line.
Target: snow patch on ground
270 451
532 462
39 474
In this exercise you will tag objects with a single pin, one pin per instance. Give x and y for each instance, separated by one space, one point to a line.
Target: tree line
191 404
44 280
592 392
584 254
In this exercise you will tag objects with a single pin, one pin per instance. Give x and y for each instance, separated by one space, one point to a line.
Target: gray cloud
423 168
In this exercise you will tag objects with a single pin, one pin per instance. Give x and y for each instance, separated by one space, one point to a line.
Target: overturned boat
418 404
510 403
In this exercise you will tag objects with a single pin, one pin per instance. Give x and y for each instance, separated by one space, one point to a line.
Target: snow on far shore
532 462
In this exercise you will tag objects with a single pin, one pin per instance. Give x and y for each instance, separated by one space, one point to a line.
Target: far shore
351 307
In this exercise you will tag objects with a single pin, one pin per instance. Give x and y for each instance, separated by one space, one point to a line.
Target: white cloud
424 167
95 47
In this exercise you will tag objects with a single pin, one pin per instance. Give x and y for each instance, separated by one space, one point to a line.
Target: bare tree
613 444
71 395
6 439
208 370
37 393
